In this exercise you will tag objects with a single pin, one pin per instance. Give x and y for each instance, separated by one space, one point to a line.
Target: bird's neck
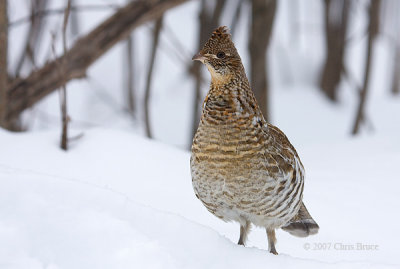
221 80
234 97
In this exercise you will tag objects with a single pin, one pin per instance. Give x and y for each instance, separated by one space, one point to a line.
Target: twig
76 137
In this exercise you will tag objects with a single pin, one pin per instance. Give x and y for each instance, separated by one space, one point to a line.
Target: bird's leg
271 241
244 231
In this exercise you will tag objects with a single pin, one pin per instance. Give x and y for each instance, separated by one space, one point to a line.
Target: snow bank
116 200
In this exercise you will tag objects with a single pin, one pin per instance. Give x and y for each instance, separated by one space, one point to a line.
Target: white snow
116 200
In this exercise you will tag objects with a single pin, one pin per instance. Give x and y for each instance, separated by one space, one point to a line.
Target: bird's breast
230 146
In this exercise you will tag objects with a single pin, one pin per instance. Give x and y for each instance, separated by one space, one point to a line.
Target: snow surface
116 200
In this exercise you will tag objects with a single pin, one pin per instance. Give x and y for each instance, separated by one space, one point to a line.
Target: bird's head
221 57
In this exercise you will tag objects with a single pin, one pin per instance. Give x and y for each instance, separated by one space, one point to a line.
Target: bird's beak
198 57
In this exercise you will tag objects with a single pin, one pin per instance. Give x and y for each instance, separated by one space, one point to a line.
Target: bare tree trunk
156 38
3 62
263 13
84 52
336 20
373 29
130 91
208 20
35 29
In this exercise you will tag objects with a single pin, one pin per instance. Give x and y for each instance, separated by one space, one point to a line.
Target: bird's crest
220 40
221 33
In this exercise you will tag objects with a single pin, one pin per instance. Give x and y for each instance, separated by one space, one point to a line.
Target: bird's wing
280 151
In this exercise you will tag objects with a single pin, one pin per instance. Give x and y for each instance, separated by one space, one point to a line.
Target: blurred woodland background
48 48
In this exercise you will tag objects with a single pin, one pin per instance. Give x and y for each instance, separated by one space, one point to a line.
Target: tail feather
302 224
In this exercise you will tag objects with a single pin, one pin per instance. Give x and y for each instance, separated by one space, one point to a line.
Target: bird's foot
273 251
271 241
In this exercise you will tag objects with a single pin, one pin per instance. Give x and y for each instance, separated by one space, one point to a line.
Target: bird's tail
302 224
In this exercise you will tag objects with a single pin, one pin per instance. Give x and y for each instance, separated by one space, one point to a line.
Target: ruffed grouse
243 168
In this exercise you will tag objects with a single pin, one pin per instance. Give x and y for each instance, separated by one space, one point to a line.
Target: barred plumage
244 169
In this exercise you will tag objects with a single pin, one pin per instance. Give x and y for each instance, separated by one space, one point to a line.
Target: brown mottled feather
243 168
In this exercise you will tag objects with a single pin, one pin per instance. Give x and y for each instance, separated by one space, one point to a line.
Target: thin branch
372 32
129 75
128 67
357 87
49 12
35 27
63 91
156 37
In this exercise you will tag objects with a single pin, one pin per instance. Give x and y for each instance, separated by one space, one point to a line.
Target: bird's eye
221 54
